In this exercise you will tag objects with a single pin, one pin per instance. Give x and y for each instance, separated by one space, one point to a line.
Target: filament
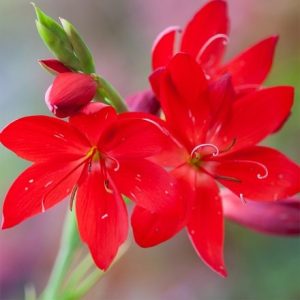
247 86
264 168
210 41
215 153
106 186
117 167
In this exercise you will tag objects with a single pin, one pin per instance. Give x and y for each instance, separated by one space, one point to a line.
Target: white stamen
259 175
108 190
216 153
224 37
247 86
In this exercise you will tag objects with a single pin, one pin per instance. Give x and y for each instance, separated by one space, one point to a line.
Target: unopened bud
56 39
69 93
80 48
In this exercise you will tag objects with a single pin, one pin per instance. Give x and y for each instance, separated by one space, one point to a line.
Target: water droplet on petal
104 216
48 183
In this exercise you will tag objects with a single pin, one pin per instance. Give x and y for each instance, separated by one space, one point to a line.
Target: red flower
205 38
98 156
279 218
219 137
69 93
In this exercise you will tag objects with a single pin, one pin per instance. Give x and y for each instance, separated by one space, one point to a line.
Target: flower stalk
68 246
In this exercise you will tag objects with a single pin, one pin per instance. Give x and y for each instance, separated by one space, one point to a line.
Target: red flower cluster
214 116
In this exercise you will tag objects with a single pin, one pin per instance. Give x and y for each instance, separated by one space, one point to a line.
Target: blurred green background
120 34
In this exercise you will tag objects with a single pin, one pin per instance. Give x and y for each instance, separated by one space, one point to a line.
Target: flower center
199 152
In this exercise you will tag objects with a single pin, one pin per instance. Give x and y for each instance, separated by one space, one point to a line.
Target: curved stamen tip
266 174
215 153
117 164
106 187
211 40
259 175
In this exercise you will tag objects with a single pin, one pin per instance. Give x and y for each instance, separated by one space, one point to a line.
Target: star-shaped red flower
205 38
218 138
98 156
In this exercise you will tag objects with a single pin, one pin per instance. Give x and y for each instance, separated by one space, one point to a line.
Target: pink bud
279 218
144 101
54 66
69 93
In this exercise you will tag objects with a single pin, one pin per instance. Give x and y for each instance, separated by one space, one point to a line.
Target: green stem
68 245
107 93
83 285
79 272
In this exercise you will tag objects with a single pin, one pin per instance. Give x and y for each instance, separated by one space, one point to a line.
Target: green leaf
80 48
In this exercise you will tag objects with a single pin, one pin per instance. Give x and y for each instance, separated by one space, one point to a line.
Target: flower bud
80 48
279 218
54 66
56 39
144 101
69 93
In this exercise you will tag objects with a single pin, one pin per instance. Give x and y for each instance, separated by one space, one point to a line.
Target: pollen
94 154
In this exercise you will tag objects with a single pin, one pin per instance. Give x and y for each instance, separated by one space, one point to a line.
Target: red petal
38 188
252 66
185 100
221 97
153 228
102 218
54 66
135 135
255 116
262 173
205 226
144 182
280 218
187 77
40 138
155 79
164 47
70 92
210 20
92 122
